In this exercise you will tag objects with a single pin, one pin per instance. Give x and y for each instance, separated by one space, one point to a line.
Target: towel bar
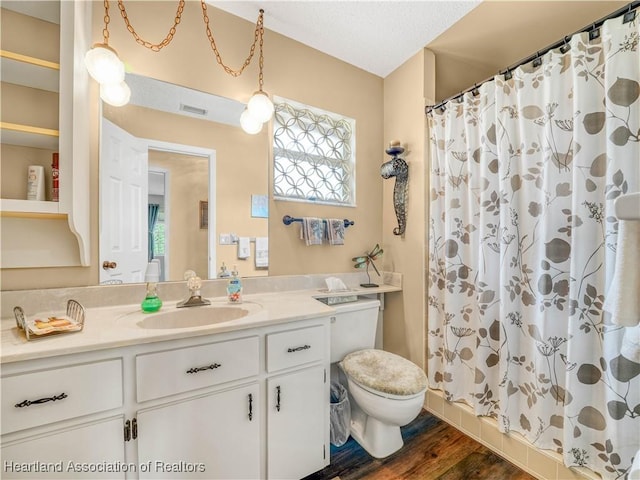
288 220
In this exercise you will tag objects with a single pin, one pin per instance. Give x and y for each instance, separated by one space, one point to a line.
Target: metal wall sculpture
397 167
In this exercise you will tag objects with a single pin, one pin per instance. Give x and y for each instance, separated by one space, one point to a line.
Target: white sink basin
194 316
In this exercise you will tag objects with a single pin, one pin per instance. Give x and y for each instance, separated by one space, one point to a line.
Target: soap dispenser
234 287
223 273
152 302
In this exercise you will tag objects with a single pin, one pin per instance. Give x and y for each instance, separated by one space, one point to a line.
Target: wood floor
433 450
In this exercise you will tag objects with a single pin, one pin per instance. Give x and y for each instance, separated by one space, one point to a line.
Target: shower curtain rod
629 12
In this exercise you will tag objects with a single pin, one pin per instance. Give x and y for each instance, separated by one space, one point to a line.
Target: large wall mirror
180 184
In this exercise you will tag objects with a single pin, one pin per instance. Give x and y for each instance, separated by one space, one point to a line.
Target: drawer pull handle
298 349
278 398
250 407
213 366
27 403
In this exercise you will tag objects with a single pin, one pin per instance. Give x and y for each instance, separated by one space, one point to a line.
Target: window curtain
154 210
522 245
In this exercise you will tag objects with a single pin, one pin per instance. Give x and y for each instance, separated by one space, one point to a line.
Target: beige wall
406 91
497 34
291 70
188 185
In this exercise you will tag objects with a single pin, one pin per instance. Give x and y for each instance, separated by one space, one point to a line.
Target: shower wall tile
514 447
489 433
451 412
435 403
541 465
469 422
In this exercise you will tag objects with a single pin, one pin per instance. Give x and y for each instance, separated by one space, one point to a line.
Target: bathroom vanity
131 397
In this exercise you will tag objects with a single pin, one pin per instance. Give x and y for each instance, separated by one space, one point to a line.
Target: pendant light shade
260 106
249 123
116 94
103 64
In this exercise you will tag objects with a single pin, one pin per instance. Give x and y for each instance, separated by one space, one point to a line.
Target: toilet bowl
386 390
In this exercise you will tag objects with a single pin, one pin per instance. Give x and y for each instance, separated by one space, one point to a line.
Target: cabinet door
210 436
94 450
296 423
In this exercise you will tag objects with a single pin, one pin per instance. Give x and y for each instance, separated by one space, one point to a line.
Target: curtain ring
537 61
630 16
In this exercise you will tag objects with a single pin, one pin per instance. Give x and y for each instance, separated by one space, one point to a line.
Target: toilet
386 391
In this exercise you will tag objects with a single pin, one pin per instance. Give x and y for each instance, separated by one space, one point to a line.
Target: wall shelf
29 71
34 221
19 208
29 136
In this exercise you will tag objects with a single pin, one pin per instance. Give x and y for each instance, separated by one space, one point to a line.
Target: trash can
340 415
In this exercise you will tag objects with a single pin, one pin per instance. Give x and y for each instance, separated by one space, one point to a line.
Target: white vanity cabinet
245 404
215 435
60 422
297 402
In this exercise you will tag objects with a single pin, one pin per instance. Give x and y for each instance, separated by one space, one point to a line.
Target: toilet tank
354 327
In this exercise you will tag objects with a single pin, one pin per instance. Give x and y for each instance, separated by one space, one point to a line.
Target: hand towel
312 230
244 249
622 297
262 252
335 231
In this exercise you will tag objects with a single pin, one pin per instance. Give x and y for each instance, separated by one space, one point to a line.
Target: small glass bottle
152 302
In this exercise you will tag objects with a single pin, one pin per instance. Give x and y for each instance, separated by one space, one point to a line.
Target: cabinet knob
107 265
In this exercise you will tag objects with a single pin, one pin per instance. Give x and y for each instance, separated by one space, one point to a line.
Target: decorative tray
47 325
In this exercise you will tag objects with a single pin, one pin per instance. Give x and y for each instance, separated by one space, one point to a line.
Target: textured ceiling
377 36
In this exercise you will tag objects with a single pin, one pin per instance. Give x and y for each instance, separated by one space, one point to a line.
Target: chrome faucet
195 299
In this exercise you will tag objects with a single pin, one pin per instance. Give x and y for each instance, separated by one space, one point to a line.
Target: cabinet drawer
176 371
295 347
46 396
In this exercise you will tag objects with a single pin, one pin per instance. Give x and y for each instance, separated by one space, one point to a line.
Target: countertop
117 326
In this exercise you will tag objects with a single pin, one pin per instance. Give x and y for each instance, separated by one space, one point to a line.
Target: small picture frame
204 214
259 206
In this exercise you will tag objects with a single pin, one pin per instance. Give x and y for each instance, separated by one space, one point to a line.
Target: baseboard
513 447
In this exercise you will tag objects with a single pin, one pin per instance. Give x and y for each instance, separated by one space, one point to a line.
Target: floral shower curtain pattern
522 244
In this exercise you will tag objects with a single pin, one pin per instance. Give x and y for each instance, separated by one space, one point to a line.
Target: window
314 158
159 236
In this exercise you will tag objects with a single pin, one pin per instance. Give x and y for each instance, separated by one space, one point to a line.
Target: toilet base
379 439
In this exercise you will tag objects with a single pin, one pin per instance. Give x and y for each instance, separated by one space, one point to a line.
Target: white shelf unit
70 80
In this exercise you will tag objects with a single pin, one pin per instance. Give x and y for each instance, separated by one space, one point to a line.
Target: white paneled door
123 205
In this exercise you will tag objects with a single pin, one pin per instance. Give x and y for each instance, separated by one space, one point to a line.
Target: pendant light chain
151 46
261 58
257 36
107 19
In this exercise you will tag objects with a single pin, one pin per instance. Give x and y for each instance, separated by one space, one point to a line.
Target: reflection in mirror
177 172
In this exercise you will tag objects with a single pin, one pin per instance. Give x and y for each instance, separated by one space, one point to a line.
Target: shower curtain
522 243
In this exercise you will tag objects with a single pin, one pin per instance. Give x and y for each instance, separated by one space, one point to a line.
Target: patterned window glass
314 158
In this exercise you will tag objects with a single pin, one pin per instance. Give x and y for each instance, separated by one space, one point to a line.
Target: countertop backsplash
55 299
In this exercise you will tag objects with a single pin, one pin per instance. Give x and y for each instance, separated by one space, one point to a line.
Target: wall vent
193 110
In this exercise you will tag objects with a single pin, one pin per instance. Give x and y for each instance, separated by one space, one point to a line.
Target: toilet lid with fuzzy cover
384 372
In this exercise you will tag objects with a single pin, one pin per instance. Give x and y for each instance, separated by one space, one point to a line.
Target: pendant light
249 123
116 94
106 68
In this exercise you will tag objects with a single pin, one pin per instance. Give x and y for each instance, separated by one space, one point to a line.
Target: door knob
109 265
